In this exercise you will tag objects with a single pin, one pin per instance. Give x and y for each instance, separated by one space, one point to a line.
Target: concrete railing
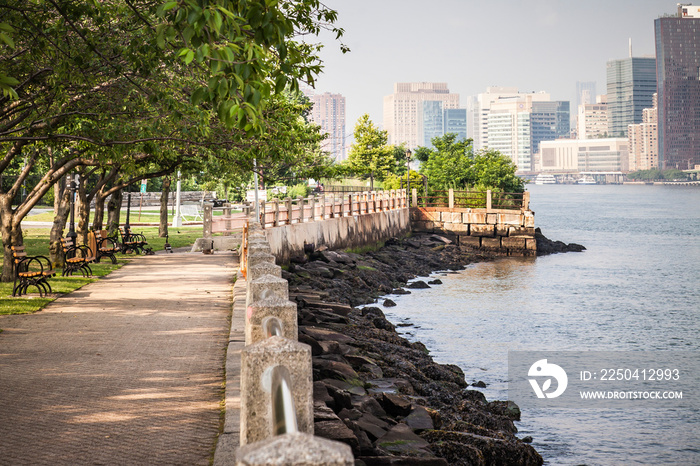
276 413
325 206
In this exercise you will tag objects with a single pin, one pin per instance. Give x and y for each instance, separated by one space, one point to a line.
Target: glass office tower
631 87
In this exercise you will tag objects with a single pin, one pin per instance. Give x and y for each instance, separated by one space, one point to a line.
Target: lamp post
128 209
72 235
408 174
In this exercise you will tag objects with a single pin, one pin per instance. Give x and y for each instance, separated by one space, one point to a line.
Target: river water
636 288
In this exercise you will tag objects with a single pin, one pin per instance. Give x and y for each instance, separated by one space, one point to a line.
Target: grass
36 242
146 216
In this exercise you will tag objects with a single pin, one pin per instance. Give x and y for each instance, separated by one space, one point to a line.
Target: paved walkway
127 370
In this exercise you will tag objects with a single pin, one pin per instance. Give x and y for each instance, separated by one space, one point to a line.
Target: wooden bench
104 246
133 242
30 271
76 258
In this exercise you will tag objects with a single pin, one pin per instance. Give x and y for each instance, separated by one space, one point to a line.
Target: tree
88 79
370 156
453 164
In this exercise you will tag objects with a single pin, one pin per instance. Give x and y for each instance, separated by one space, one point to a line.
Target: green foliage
399 182
370 156
453 164
298 190
399 153
658 175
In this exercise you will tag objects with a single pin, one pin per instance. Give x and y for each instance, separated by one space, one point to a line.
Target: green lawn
36 241
146 216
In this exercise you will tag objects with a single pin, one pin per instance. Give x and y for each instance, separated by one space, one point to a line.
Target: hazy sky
535 45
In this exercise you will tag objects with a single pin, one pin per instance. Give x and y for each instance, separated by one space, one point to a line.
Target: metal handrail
272 327
284 419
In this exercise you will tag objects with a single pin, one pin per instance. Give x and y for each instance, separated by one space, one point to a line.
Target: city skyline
544 45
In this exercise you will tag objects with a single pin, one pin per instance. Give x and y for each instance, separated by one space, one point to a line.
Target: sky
534 45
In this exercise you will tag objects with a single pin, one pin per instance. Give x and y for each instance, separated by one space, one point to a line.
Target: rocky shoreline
376 391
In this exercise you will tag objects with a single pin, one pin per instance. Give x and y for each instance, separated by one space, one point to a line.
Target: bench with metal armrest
77 257
133 242
102 245
30 271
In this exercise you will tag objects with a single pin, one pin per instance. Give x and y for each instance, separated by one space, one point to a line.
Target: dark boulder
418 285
395 405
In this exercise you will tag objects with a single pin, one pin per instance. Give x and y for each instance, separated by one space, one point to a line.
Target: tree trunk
114 208
82 211
98 220
371 181
11 236
165 192
61 212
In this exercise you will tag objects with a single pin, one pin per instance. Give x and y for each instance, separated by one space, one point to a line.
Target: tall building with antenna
631 84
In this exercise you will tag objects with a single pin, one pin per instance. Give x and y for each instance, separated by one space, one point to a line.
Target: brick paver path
125 371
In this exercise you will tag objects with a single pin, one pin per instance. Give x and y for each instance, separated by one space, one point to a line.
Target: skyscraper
678 74
479 107
430 121
436 121
518 124
631 85
328 112
455 121
403 108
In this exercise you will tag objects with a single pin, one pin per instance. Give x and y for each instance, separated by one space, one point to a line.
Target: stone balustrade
265 436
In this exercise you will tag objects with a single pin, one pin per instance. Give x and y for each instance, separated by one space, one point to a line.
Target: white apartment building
509 128
592 120
644 141
403 110
478 110
584 155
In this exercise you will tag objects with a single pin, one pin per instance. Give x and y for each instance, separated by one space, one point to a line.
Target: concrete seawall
287 241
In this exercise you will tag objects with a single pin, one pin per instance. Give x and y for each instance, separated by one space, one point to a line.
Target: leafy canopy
370 156
453 164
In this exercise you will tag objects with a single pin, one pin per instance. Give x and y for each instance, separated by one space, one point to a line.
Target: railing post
333 206
312 207
208 214
300 205
323 206
227 219
414 195
259 311
288 204
488 200
451 198
263 216
276 221
526 201
295 448
350 213
257 363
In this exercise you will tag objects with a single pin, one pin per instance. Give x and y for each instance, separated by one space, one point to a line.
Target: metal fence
473 200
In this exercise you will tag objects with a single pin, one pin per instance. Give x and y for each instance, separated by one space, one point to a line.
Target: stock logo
544 369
